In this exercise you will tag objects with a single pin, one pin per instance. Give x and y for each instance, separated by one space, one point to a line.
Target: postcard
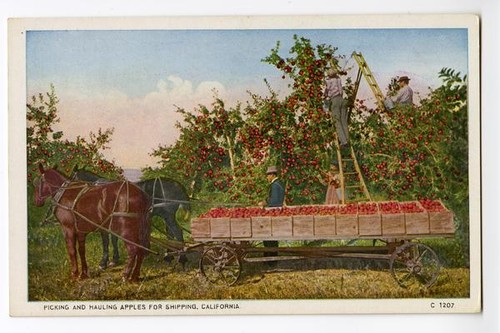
244 165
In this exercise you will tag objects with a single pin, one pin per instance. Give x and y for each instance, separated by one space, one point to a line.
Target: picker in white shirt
334 103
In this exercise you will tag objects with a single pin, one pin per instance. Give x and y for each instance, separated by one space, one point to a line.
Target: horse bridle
52 193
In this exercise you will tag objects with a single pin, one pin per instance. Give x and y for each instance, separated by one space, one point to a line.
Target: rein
166 202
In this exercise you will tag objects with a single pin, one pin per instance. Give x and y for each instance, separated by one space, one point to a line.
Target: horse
119 207
167 197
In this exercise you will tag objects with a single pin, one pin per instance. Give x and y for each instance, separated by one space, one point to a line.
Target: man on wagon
276 197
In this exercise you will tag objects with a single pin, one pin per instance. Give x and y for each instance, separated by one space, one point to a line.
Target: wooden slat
282 226
347 225
417 223
241 227
261 227
200 228
441 222
393 224
324 226
273 258
303 226
370 225
220 228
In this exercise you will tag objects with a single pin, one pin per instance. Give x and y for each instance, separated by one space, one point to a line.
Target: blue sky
133 61
138 75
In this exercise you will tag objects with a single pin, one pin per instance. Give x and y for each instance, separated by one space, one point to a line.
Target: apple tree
420 151
48 147
207 154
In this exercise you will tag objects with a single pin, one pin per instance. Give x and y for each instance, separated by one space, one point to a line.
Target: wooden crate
220 227
417 223
200 228
370 225
261 227
441 222
393 224
347 224
303 226
282 226
324 226
241 227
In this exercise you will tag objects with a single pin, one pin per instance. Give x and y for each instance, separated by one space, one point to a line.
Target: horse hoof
102 267
112 264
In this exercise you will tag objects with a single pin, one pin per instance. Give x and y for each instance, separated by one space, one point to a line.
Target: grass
49 277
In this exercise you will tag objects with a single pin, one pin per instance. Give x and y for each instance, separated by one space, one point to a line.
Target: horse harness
84 188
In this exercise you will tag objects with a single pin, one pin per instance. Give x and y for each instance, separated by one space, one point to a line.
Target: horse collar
60 191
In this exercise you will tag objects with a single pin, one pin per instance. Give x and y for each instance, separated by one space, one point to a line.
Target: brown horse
119 208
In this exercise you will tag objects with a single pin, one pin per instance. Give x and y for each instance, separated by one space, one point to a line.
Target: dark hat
271 169
404 78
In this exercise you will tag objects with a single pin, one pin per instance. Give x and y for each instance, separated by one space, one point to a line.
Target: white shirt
404 96
333 87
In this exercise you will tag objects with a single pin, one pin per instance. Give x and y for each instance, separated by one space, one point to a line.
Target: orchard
406 153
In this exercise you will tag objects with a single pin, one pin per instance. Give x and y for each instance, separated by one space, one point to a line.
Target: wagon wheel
414 262
220 265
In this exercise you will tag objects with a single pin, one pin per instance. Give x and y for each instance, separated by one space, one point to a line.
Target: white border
17 176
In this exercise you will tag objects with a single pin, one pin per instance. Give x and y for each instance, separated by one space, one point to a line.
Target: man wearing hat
275 198
405 93
276 190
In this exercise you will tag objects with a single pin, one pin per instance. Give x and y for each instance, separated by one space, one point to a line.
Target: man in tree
275 199
404 95
334 103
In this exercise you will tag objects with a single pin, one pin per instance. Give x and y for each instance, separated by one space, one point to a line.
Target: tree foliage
49 148
406 153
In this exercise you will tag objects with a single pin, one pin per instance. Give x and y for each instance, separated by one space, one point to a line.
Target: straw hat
271 169
331 72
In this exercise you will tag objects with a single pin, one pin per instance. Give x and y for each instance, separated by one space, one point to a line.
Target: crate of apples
416 218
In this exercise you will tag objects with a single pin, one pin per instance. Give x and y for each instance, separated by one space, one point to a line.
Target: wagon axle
409 263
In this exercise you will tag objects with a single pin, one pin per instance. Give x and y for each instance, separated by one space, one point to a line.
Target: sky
133 80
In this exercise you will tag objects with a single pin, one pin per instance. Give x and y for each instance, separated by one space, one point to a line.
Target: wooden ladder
363 69
349 167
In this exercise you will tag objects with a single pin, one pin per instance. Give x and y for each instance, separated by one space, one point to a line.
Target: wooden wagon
229 236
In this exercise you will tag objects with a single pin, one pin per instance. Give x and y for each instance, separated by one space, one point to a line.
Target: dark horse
118 207
167 197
